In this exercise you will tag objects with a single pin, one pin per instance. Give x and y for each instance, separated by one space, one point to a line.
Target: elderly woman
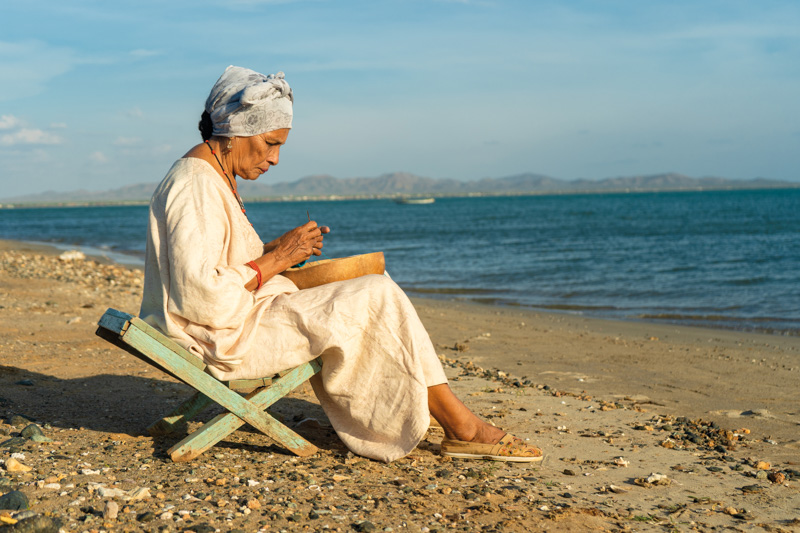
216 288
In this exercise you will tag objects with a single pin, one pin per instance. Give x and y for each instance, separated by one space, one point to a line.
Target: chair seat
153 347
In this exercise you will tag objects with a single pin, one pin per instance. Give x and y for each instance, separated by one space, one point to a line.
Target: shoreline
136 261
613 405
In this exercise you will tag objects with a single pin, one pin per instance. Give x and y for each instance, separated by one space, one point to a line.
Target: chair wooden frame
151 346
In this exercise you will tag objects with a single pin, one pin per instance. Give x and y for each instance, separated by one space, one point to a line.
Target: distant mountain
132 193
403 183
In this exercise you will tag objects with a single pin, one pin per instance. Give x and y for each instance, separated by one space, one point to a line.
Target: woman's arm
292 247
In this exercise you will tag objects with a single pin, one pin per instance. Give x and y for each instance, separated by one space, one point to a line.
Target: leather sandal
509 448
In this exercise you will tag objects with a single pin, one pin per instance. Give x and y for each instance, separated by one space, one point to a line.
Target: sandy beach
645 427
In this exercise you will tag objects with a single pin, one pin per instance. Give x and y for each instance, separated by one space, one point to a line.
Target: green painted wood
247 385
222 425
185 412
114 321
168 343
192 375
145 342
228 399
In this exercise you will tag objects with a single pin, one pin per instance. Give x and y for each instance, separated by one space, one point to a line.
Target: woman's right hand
297 245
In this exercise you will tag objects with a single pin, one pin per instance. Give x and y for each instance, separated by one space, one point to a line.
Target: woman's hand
292 247
299 244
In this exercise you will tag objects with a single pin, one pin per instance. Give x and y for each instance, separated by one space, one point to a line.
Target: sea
725 259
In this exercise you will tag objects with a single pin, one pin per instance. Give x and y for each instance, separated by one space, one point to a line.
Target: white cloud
58 125
127 141
8 122
135 113
29 136
98 157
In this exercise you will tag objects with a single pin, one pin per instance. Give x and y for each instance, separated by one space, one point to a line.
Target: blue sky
97 95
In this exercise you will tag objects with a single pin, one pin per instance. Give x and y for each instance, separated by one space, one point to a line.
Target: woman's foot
467 436
509 448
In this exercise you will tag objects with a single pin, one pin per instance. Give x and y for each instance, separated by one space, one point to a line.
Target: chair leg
185 412
222 425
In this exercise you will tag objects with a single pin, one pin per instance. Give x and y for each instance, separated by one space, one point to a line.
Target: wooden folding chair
151 346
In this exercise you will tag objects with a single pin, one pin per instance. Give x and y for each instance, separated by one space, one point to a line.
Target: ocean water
723 259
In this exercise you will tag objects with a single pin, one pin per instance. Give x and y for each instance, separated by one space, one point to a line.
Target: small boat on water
414 201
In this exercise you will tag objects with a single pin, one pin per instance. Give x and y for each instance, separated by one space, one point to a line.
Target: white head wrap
244 103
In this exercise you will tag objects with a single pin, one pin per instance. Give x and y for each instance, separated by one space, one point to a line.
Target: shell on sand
330 270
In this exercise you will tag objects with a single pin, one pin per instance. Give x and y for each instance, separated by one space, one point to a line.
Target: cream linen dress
378 360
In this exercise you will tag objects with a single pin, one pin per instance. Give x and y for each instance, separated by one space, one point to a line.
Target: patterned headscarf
244 103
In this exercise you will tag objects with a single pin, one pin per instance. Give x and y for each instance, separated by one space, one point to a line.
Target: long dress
378 360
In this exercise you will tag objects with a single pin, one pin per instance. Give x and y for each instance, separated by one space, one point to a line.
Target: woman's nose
273 156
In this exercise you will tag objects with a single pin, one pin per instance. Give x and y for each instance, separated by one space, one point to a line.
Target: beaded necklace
225 173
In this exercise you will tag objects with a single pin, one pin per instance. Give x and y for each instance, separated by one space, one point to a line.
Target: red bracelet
254 266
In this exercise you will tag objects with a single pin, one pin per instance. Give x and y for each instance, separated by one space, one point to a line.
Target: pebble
34 433
30 430
111 510
19 420
35 524
108 493
139 494
776 477
14 501
13 444
12 465
751 489
203 528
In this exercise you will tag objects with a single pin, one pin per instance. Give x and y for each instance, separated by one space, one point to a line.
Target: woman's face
252 156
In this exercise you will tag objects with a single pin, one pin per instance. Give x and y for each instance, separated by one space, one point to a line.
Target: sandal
509 448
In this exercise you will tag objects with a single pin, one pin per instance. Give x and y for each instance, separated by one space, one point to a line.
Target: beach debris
83 271
72 255
461 346
653 480
621 461
762 465
776 477
613 488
